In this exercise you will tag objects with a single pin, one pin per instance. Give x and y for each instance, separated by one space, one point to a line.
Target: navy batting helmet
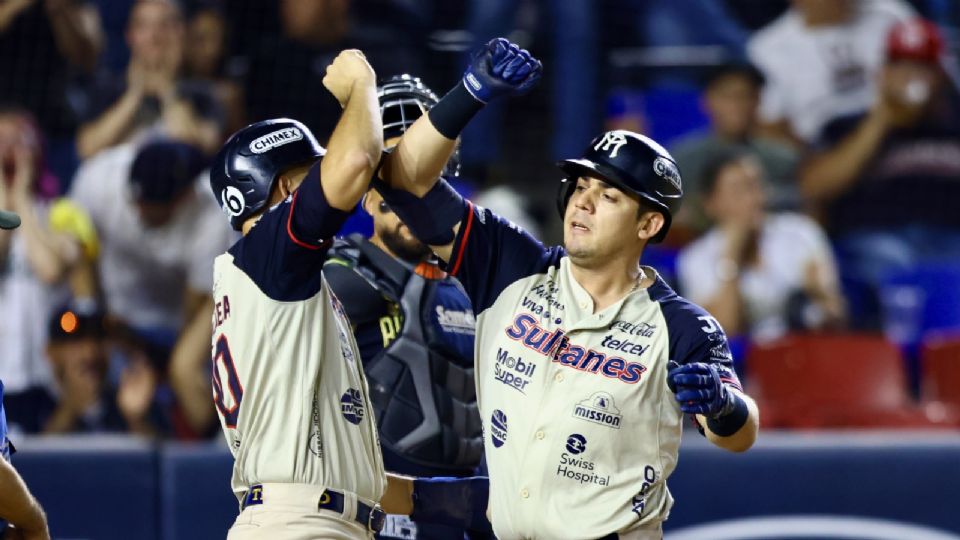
403 99
245 168
633 163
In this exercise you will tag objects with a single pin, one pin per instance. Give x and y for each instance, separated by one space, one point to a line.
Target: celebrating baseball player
586 361
287 381
288 384
414 328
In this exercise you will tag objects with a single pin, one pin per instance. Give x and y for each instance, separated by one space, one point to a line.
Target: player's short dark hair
646 207
745 70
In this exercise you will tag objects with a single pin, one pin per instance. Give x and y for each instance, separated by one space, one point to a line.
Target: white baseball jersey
580 428
814 75
287 379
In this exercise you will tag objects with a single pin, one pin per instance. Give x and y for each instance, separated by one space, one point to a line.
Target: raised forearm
110 127
187 368
423 151
828 175
76 31
354 148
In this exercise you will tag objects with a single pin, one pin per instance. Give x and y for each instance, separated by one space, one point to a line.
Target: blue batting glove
699 390
501 69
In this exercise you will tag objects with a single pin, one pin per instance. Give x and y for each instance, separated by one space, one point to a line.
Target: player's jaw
401 242
594 234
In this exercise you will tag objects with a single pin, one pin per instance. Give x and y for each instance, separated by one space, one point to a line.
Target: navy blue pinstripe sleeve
489 253
695 336
285 251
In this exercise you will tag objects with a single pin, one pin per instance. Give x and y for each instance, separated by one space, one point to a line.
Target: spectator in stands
160 230
205 59
85 401
43 43
820 61
148 96
730 99
285 77
888 178
759 273
36 260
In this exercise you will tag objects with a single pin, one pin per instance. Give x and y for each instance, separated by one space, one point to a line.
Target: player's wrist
454 111
431 217
731 417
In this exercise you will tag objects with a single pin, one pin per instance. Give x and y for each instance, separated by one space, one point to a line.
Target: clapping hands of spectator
138 383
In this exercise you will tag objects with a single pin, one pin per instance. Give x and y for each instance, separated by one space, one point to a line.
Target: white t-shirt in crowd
146 271
788 244
814 75
25 307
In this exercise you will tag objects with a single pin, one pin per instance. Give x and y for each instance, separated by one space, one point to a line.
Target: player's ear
649 224
285 185
366 202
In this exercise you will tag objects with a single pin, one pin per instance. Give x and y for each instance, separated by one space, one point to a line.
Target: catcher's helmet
245 168
631 162
403 99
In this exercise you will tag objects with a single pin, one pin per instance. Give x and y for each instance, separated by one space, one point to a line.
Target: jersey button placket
525 493
558 377
540 435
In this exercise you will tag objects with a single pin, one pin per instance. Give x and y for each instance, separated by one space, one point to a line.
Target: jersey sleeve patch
695 336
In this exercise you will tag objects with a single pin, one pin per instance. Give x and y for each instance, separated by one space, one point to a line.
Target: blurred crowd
818 141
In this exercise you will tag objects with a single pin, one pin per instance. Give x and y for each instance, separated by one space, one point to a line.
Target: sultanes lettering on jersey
534 337
594 432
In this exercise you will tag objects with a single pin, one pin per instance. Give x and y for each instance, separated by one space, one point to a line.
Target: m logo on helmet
666 169
275 139
232 201
611 142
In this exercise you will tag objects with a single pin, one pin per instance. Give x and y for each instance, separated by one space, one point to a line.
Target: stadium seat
940 358
935 289
823 381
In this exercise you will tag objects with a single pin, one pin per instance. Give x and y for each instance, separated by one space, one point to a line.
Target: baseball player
586 361
287 382
414 328
21 516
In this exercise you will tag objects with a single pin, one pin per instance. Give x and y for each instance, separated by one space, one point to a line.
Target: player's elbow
359 163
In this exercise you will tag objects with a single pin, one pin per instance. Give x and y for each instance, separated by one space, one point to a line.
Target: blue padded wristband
729 424
430 218
454 111
458 502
